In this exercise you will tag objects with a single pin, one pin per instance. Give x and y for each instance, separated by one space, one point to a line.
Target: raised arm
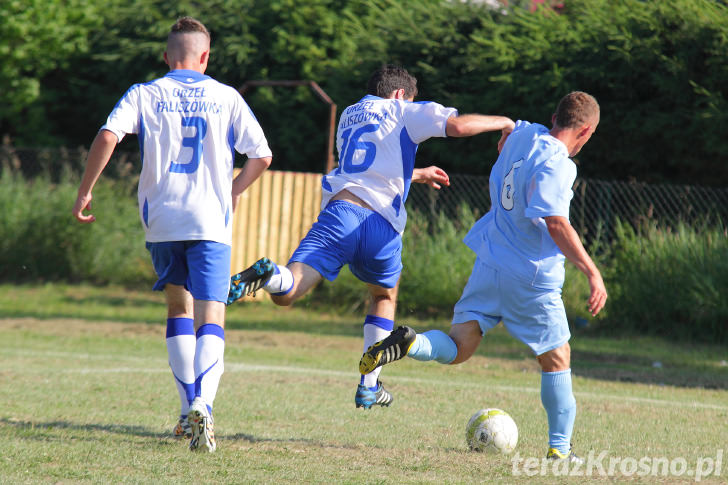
569 243
252 169
98 156
473 124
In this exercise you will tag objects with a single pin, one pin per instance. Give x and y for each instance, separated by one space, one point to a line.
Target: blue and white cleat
250 280
366 398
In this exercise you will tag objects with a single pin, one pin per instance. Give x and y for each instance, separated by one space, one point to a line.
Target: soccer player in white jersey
189 126
519 270
363 213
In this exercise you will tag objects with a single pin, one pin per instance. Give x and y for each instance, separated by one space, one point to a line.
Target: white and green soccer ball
492 430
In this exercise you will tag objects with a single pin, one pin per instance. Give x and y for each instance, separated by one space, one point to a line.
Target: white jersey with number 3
189 127
377 141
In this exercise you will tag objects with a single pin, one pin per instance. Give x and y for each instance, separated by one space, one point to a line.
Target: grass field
87 397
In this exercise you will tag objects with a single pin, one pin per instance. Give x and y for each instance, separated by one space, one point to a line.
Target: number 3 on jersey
350 145
508 189
194 142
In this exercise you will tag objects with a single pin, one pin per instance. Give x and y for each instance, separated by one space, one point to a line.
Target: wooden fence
273 216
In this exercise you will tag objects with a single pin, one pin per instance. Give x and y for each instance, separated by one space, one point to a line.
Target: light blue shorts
348 234
535 316
202 267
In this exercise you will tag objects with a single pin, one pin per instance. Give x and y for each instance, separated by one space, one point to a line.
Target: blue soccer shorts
202 267
535 316
348 234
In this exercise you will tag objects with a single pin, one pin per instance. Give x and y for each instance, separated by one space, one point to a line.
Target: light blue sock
434 345
560 405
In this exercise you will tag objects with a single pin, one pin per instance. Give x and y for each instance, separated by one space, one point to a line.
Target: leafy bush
657 68
670 283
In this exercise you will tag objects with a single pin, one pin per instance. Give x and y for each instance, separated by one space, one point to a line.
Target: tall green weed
670 282
41 241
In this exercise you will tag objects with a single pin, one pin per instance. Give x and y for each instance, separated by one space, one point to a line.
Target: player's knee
179 310
467 337
556 360
379 298
282 300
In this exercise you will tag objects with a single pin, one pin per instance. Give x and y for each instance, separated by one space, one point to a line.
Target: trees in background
657 68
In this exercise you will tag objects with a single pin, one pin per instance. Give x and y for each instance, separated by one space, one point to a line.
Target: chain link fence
597 204
596 207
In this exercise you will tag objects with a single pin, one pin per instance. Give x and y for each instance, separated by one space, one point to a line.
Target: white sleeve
124 118
426 119
249 137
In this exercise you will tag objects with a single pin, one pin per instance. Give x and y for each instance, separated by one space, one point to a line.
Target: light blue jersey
531 179
377 141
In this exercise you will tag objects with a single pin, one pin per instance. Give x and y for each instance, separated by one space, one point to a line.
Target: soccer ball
491 430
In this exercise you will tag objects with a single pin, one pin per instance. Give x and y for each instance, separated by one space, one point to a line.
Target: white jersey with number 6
189 127
377 141
531 179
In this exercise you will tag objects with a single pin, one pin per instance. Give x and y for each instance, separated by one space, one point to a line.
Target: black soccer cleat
388 350
250 280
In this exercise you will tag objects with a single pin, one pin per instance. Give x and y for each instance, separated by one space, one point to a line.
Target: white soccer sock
281 282
375 329
181 352
209 364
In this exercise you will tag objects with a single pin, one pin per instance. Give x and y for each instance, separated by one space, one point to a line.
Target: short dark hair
576 109
390 78
188 25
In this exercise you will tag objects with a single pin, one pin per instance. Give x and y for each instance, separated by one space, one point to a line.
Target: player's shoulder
426 110
422 105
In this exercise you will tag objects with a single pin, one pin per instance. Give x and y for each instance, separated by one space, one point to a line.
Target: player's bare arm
473 124
252 169
432 176
569 243
98 156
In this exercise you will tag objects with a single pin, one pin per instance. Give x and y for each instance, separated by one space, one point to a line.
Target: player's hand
504 136
83 202
432 176
598 296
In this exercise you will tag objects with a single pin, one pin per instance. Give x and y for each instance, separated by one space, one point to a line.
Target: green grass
88 398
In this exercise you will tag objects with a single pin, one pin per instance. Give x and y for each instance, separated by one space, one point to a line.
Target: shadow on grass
66 425
140 431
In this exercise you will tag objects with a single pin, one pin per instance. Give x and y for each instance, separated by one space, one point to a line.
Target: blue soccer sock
560 405
181 353
281 282
209 364
434 345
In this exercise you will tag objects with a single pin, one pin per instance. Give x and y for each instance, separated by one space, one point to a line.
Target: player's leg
168 262
180 338
537 317
558 400
209 264
264 274
378 325
321 253
304 277
470 321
